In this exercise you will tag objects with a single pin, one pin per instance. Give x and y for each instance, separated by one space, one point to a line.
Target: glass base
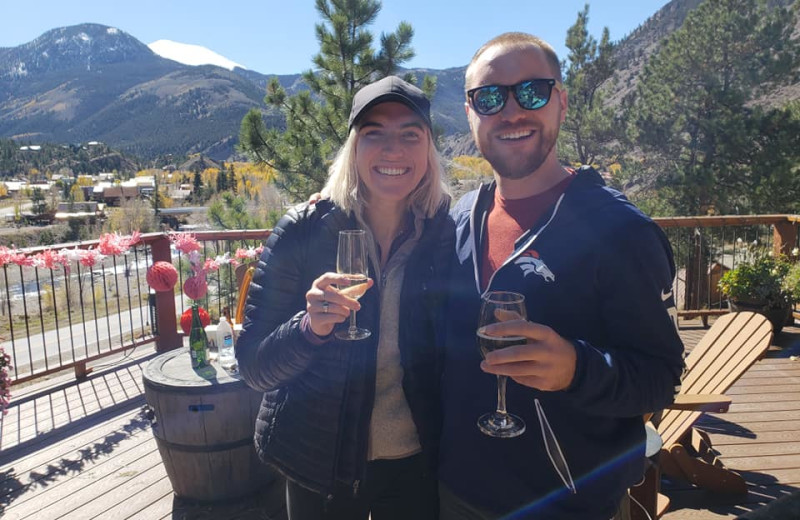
352 334
504 426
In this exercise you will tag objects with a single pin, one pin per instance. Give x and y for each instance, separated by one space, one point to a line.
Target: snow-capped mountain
189 54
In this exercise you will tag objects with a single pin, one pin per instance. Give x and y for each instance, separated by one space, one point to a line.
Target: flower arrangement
195 287
763 278
764 282
109 244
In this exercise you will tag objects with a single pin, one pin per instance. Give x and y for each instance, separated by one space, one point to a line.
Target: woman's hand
326 306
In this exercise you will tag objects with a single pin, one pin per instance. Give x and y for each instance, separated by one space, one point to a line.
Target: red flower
162 276
185 242
186 319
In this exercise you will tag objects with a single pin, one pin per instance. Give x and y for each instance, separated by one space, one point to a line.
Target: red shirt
510 218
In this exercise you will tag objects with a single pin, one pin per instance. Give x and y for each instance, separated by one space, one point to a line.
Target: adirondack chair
244 275
733 343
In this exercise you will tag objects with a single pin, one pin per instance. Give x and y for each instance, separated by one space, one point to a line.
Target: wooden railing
55 321
706 247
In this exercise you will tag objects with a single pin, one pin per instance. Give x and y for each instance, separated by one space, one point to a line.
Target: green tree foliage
232 212
773 183
589 130
197 186
316 120
15 161
695 116
38 202
222 179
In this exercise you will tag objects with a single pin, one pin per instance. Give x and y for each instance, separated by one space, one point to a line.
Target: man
602 348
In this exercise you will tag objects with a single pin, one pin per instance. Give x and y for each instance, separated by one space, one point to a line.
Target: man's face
515 141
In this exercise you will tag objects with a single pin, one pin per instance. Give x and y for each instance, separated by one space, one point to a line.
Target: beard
519 166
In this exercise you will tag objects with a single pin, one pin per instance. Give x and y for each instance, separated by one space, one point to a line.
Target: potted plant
761 284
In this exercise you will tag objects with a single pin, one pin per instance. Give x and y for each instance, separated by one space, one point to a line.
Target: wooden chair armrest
701 402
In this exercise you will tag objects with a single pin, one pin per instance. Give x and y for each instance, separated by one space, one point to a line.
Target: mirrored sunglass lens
488 100
533 94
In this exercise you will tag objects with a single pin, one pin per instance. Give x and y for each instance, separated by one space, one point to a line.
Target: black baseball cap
390 88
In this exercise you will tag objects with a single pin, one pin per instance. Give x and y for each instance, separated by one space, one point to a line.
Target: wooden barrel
203 425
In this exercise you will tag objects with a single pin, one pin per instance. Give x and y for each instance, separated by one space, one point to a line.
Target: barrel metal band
206 448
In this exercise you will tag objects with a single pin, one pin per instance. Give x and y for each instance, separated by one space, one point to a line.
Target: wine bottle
198 342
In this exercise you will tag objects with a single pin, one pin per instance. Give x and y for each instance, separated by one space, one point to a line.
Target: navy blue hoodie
599 272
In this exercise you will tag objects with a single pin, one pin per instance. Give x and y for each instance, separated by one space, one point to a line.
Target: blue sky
277 36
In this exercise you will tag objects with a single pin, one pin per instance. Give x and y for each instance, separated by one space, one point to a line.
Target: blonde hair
517 40
345 189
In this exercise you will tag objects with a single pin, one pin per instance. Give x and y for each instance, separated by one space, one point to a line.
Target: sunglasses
531 94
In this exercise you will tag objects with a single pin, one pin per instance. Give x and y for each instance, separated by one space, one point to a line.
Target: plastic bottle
227 357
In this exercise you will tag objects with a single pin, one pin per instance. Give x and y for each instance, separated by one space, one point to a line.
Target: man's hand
545 362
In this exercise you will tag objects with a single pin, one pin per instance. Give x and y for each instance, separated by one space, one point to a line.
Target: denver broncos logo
530 262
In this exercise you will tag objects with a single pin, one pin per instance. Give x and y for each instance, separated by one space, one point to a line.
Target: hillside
91 82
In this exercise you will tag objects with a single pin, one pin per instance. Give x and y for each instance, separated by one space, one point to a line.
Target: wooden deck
85 450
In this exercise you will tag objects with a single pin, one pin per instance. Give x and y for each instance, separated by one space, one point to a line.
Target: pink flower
210 265
14 256
185 242
49 259
90 257
6 256
20 259
249 253
196 286
116 244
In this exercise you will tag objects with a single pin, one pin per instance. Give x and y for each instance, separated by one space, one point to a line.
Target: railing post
168 337
784 237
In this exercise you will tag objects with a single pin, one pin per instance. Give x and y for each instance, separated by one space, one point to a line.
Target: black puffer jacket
313 424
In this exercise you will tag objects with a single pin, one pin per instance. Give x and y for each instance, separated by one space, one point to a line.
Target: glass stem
501 395
352 329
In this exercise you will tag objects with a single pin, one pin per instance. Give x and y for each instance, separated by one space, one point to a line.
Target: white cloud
190 54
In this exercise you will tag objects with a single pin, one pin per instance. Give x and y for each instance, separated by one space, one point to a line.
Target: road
89 338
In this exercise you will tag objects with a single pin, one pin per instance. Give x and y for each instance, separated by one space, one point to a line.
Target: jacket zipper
519 250
339 440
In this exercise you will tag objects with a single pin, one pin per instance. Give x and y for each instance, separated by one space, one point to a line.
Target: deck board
84 450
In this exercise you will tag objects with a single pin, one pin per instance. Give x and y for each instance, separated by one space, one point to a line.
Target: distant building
116 195
88 210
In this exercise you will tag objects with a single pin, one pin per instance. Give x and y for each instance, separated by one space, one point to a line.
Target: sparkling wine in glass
352 262
500 306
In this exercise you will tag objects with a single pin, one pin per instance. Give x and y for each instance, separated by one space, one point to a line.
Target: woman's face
391 152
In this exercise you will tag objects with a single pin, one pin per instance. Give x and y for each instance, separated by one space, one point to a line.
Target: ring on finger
325 306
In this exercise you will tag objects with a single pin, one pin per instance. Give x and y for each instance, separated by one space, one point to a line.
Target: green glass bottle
198 342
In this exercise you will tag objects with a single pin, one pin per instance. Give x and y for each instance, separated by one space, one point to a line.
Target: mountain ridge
91 82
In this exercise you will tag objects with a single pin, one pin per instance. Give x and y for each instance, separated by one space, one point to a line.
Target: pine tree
316 120
232 180
694 114
197 187
589 129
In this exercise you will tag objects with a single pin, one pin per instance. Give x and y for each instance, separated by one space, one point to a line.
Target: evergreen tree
197 186
38 203
232 179
232 212
589 129
316 120
694 115
222 179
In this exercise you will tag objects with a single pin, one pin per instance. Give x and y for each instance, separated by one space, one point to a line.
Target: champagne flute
351 261
500 306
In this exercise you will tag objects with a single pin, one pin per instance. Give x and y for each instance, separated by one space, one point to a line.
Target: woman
354 425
